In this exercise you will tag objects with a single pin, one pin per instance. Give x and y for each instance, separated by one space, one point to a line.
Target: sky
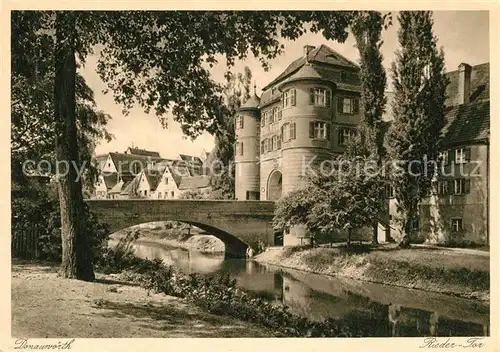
463 34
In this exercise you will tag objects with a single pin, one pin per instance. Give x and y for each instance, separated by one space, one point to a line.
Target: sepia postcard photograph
249 173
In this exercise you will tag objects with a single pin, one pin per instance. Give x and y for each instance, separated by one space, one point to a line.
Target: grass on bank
218 294
430 269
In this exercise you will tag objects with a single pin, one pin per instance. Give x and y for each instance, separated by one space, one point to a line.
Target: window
461 186
262 147
319 130
275 114
343 76
145 193
165 195
288 132
166 180
109 164
239 148
443 157
347 105
389 191
319 97
288 98
462 155
275 143
456 225
172 194
346 135
159 195
239 121
273 91
263 120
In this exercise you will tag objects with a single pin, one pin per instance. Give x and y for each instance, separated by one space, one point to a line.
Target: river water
382 310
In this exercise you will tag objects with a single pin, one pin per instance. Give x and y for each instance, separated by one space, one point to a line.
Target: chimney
464 73
307 50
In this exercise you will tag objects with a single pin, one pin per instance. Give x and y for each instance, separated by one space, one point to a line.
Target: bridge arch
239 224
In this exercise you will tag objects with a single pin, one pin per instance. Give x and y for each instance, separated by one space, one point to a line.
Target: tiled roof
110 180
320 65
322 54
143 152
194 182
129 187
117 188
123 161
153 178
252 102
479 85
191 159
467 123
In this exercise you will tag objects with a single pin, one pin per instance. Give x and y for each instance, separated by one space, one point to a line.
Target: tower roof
305 72
252 102
322 55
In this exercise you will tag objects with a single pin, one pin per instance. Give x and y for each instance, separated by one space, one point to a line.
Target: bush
35 207
219 295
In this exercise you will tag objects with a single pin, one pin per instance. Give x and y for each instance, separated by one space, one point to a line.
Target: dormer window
273 91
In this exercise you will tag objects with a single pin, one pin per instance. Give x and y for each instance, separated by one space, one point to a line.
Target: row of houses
139 173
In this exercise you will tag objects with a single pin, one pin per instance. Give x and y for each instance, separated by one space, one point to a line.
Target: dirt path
46 306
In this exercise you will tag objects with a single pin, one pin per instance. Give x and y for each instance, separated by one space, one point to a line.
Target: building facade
310 112
139 173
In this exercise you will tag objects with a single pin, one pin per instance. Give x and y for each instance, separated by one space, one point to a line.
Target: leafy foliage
344 199
418 109
35 206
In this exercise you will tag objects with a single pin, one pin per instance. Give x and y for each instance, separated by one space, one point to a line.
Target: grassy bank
429 269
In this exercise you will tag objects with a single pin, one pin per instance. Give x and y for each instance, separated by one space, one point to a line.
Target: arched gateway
274 186
238 224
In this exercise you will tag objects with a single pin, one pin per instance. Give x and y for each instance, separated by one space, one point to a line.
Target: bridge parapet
237 223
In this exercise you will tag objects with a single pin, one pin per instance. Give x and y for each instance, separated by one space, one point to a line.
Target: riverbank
429 269
47 306
195 240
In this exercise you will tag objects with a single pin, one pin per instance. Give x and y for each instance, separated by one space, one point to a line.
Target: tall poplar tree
418 109
367 32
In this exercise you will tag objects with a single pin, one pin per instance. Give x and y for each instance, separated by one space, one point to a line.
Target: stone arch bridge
238 224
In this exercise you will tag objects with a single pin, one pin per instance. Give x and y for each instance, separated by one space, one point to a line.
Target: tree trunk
405 241
375 232
76 254
349 233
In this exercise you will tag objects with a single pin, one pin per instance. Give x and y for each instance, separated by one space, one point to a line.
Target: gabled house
104 184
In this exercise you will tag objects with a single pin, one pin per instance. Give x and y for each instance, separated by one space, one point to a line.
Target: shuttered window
347 105
319 130
289 98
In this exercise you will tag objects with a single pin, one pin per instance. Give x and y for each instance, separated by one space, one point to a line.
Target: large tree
367 32
156 59
418 109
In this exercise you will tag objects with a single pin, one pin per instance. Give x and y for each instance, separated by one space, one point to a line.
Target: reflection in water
365 309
